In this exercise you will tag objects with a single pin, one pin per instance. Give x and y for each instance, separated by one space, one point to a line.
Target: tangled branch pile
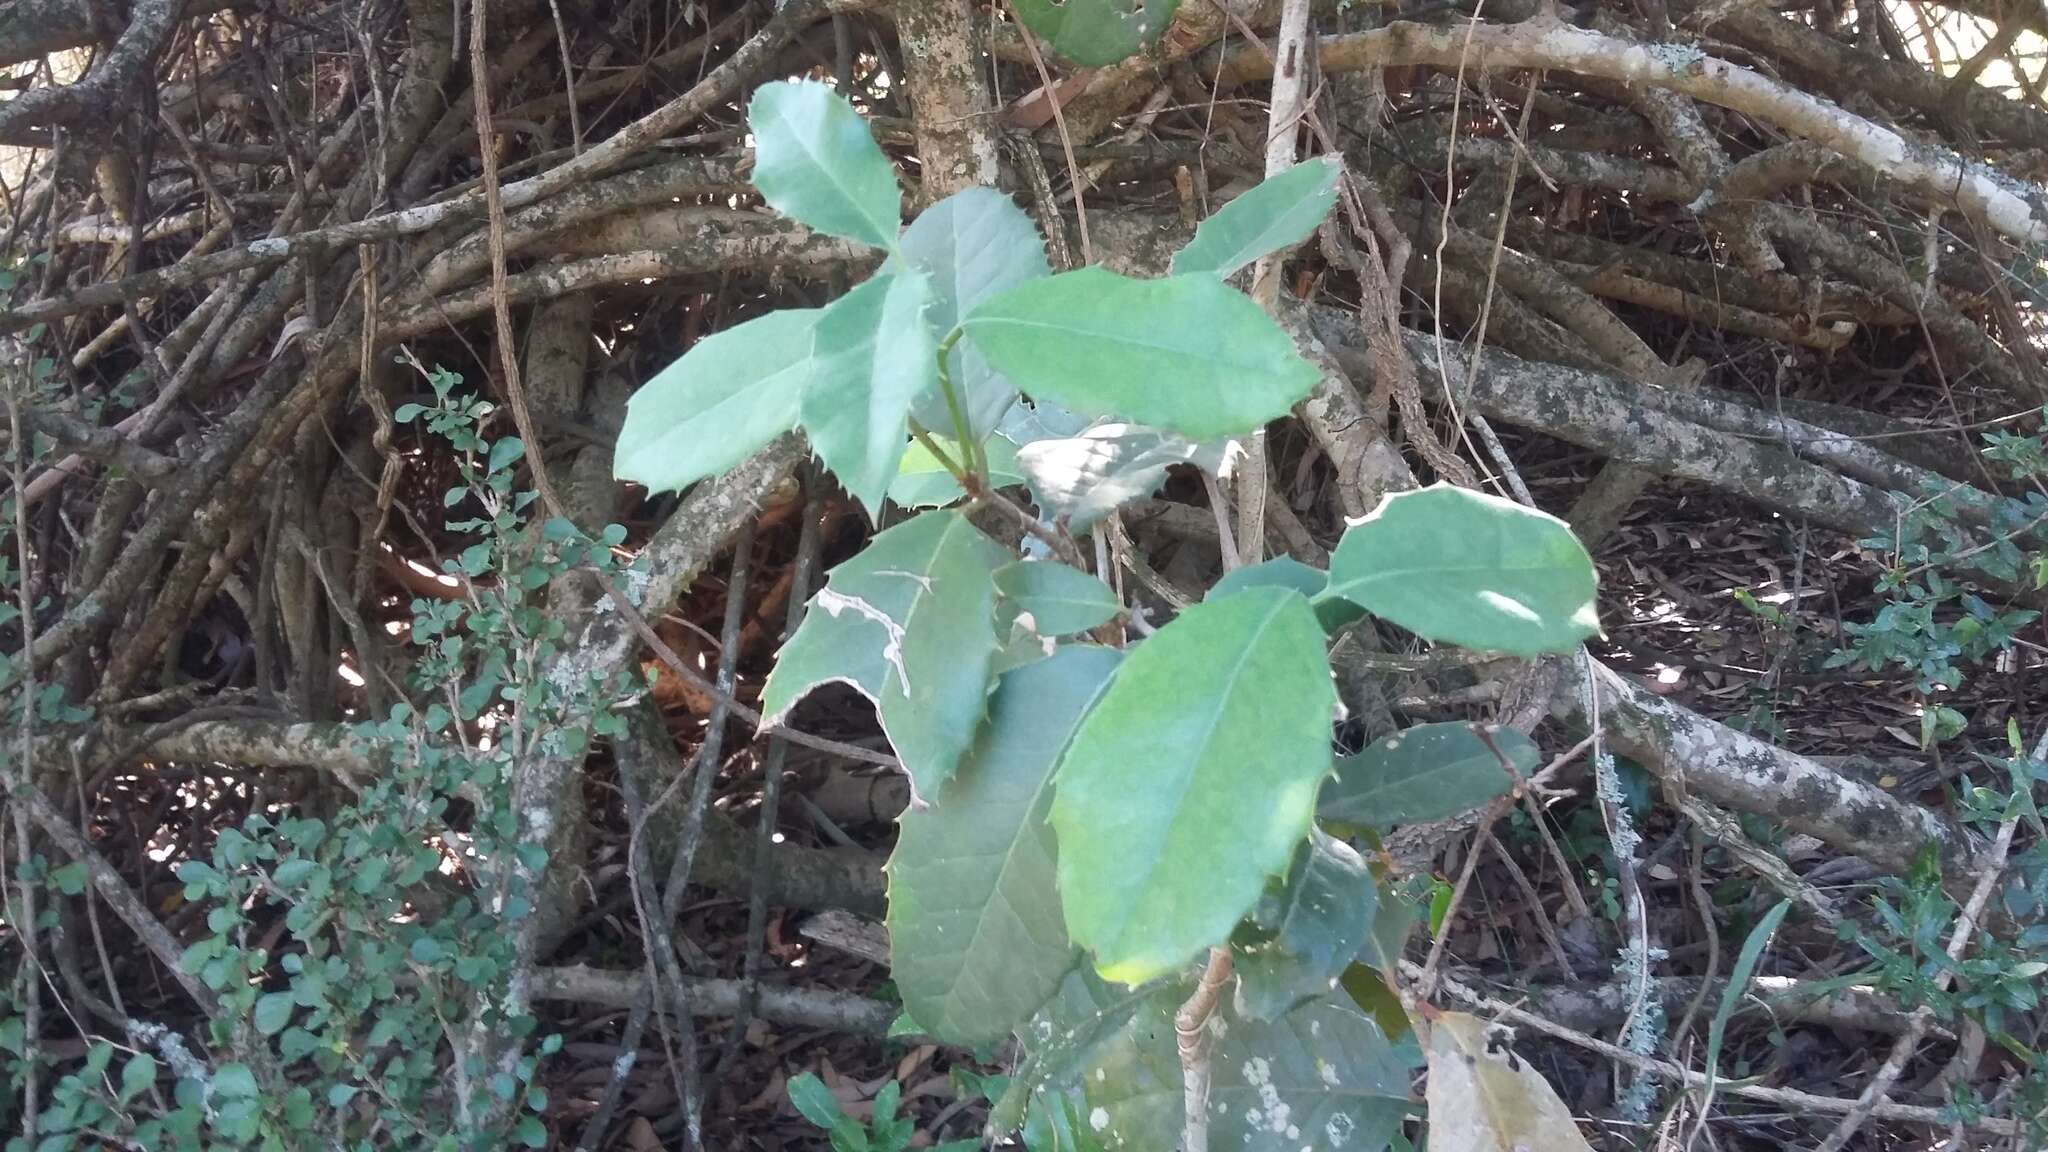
294 287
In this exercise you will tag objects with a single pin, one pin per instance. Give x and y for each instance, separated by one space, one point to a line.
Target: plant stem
1190 1030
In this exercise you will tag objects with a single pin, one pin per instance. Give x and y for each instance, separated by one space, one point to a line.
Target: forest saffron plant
1089 822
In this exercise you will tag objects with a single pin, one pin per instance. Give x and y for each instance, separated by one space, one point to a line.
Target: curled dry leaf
1484 1098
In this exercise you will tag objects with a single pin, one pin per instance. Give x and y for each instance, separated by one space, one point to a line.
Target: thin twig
501 308
809 538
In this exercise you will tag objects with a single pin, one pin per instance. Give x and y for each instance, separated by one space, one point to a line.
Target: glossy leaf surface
1192 781
1462 567
1188 354
875 354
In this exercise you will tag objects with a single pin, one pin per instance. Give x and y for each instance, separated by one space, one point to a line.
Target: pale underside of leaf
1086 477
974 919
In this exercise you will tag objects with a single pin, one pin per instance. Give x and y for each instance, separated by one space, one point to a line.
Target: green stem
961 476
976 459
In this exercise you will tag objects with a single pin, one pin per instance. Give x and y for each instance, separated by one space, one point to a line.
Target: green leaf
875 354
1192 781
1287 572
922 482
815 1101
1322 1076
1086 477
234 1081
1097 33
505 453
731 393
1187 353
1428 772
1738 986
531 1132
70 879
887 1097
976 936
910 624
815 161
1060 600
1320 919
273 1012
1281 212
1083 1015
136 1077
1461 567
973 244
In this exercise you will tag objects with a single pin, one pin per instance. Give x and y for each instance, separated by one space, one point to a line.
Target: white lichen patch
1099 1119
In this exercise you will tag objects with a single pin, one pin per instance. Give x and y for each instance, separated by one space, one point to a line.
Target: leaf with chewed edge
909 622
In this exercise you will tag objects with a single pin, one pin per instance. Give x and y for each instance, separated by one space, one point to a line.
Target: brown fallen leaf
1484 1098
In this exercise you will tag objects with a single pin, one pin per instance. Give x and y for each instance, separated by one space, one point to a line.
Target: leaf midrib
1121 339
1186 779
832 175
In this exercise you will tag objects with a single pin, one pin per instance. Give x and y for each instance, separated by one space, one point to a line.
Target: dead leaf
640 1136
1484 1098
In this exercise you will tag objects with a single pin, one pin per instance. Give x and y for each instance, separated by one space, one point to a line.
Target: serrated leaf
1322 1076
1283 210
1319 920
273 1012
1186 353
815 161
1192 781
974 244
875 353
1484 1098
1287 572
1428 772
909 622
1059 600
1086 477
975 931
1097 33
1462 567
922 482
731 393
